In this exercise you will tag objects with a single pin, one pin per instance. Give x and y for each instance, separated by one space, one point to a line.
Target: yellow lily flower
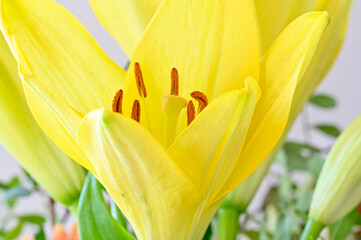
272 22
338 189
273 16
168 178
21 135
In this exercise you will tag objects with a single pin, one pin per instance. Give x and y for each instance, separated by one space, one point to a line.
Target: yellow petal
275 15
281 69
200 227
125 20
57 118
154 194
9 66
213 43
327 50
208 157
25 140
50 44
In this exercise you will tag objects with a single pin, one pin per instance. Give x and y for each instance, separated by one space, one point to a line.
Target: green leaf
296 155
264 234
13 233
285 187
34 219
272 214
253 235
342 228
40 235
208 234
303 202
15 192
3 186
315 165
15 181
284 227
329 130
95 219
323 100
30 178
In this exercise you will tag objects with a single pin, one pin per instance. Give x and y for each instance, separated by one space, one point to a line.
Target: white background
343 82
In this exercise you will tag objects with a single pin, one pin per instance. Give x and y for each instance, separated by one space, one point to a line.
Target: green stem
312 230
228 223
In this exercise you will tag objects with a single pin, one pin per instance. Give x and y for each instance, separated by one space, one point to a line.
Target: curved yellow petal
208 157
200 227
327 50
125 20
281 69
213 43
150 189
9 66
50 44
59 120
275 15
25 140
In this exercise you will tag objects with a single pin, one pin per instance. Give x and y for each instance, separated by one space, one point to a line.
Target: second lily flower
194 85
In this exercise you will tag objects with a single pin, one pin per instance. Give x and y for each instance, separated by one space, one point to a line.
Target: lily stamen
139 80
136 111
201 98
117 102
174 82
191 113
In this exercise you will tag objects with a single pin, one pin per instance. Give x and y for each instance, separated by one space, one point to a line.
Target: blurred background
343 83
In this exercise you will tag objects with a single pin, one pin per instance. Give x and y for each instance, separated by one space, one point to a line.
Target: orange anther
191 113
174 88
139 80
136 111
117 102
201 98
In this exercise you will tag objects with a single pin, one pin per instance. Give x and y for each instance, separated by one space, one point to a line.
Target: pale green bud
338 188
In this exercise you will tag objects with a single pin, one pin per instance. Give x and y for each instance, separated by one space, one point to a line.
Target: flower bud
338 188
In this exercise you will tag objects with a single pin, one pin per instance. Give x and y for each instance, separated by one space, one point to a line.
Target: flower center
172 104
